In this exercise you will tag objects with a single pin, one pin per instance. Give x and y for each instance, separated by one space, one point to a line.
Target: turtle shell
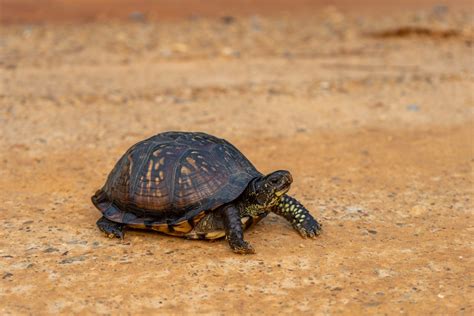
169 181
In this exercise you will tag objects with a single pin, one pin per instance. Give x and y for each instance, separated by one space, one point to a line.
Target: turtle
197 186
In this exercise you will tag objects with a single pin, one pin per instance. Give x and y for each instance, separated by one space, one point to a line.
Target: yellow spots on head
280 193
161 174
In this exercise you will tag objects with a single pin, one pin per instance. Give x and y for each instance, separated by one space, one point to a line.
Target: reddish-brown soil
32 11
373 115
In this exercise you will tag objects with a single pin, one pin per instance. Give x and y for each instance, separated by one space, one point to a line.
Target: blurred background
368 103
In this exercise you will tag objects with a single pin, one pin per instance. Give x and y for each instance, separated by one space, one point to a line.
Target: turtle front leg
234 231
295 213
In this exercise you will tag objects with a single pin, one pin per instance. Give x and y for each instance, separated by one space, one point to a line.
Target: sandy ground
373 115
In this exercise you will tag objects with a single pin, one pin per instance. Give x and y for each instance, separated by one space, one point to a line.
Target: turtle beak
288 178
281 192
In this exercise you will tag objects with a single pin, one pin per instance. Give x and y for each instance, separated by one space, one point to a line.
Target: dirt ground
372 113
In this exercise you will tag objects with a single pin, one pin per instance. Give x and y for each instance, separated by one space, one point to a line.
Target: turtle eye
274 180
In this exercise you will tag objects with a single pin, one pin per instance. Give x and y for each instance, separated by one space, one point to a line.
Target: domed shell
176 176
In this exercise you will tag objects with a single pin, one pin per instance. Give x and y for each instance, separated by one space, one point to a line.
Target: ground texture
372 113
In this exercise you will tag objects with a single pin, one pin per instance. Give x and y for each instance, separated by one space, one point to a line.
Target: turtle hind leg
111 229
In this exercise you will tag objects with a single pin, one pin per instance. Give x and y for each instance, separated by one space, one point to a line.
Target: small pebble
413 108
418 210
72 259
227 19
50 249
324 85
137 16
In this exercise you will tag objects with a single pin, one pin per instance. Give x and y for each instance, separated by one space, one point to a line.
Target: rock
325 85
255 24
165 52
440 10
418 210
413 108
50 249
7 275
72 259
228 19
383 273
229 52
180 48
137 16
354 209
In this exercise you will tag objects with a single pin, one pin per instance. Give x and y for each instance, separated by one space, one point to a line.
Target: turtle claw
111 229
116 234
243 248
309 228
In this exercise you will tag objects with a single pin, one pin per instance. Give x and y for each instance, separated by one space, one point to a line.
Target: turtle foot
243 248
111 229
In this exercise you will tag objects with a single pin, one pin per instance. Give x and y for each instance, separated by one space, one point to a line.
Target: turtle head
269 189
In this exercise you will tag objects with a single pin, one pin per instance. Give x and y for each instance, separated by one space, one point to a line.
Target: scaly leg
295 213
234 231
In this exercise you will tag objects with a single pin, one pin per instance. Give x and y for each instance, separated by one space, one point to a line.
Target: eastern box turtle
196 186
